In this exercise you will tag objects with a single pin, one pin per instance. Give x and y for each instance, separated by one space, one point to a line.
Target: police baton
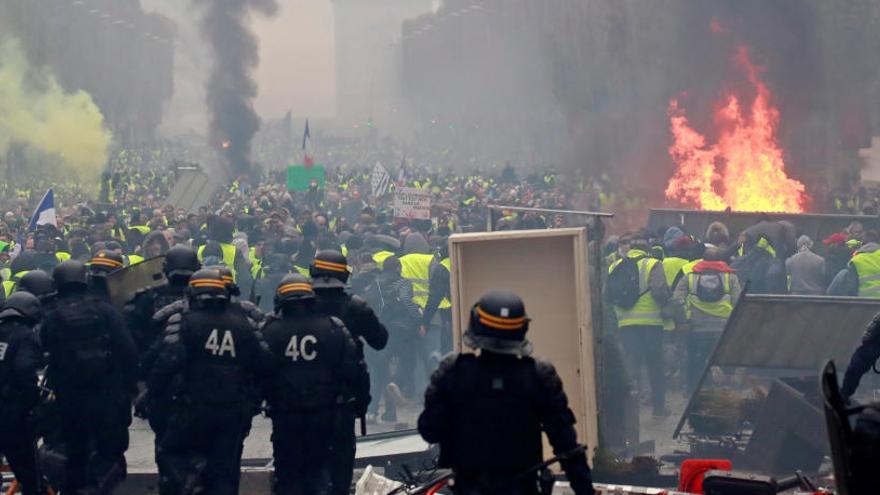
363 420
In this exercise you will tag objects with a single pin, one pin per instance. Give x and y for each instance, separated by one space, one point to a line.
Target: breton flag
379 180
45 212
308 160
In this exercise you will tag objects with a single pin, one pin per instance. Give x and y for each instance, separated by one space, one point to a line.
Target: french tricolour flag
308 160
45 212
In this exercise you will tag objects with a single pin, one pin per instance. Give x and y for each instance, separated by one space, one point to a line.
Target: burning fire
745 169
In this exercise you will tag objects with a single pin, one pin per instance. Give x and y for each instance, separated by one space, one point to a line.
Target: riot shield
123 284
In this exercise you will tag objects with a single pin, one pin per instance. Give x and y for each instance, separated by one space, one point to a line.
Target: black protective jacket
863 358
314 361
139 313
20 358
487 413
356 314
218 354
89 346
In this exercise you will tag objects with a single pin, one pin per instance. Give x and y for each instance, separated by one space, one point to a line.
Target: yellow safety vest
228 257
719 309
380 257
688 268
671 268
417 269
868 268
646 311
62 256
132 259
143 229
446 303
302 271
9 285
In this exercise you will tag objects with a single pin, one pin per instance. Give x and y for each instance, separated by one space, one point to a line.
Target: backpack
710 287
623 283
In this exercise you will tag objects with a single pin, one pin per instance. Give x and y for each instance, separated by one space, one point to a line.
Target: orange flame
752 170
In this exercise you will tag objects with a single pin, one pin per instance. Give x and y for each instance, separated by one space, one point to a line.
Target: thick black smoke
231 88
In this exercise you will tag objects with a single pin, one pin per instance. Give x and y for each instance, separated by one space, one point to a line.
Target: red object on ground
692 470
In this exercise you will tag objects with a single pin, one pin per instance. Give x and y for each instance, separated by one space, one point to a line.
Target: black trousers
18 443
301 446
160 415
204 443
95 433
342 451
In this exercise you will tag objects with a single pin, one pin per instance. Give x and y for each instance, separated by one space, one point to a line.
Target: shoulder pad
451 359
337 322
269 318
175 318
545 370
171 338
169 311
357 300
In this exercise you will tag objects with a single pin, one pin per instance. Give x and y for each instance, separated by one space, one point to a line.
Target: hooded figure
415 243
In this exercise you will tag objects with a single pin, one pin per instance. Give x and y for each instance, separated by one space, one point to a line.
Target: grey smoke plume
231 88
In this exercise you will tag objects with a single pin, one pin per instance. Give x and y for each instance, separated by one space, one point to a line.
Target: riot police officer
315 360
487 411
862 359
100 266
329 271
217 353
20 358
93 368
180 263
38 283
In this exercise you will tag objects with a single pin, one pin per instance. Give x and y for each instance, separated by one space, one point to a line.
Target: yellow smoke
35 110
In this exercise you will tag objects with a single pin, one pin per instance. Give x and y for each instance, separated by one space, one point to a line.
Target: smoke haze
35 111
231 88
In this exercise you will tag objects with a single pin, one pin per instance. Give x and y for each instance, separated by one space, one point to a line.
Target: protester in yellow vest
863 274
679 248
641 326
439 295
706 296
416 267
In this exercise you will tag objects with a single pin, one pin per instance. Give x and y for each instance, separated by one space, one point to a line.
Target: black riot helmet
22 305
293 287
105 262
498 323
70 275
181 261
206 285
38 283
329 270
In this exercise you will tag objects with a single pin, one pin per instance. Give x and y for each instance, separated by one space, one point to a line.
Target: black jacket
863 358
487 413
314 362
356 314
217 352
89 347
20 358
